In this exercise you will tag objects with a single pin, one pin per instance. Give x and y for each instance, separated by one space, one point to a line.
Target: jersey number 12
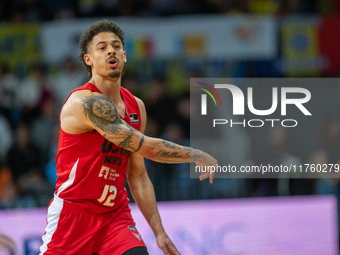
107 196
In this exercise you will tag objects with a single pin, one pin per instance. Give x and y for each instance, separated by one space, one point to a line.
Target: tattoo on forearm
102 112
177 158
187 155
168 154
126 143
175 154
140 143
171 145
196 156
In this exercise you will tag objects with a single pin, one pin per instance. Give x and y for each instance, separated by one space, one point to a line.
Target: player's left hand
166 245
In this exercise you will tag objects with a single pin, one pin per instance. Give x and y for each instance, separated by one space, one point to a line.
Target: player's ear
88 59
125 56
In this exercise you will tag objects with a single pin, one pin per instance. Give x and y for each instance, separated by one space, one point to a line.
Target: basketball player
101 142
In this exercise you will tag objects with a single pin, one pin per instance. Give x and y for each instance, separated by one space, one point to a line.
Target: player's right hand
208 163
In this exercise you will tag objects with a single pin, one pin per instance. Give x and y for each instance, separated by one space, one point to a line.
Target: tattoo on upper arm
102 112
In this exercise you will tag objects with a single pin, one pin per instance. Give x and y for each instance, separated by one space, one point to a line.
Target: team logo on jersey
104 172
132 228
134 118
137 236
108 173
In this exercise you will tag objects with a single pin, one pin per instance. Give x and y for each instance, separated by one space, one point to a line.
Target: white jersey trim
53 216
70 180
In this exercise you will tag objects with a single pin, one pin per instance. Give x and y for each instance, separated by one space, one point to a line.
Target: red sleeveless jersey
91 170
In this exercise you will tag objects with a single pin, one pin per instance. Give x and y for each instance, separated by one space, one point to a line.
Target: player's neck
110 88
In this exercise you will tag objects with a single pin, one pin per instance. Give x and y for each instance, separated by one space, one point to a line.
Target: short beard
115 74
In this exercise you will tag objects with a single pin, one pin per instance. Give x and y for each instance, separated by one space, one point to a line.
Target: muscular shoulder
140 104
77 96
142 111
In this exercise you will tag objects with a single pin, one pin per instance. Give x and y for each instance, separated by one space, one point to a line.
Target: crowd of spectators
43 10
29 109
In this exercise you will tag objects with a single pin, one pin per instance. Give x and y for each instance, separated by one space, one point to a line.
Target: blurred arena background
167 42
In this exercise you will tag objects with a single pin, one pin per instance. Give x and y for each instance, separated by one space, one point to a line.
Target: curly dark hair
96 28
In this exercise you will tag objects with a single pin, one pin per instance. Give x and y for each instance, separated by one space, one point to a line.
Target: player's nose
111 50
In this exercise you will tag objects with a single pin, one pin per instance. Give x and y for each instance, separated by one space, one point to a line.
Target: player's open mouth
112 62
